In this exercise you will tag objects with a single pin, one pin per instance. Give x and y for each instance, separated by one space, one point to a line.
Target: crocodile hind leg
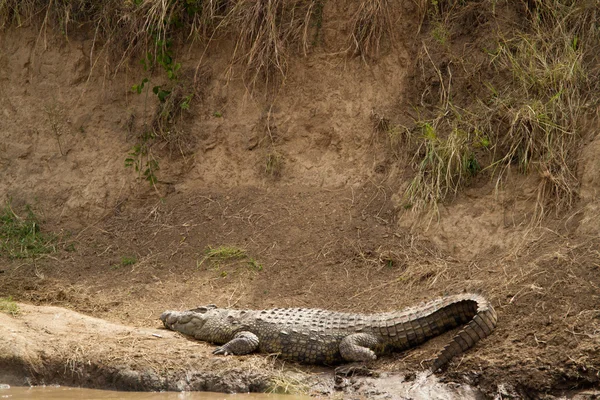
357 347
242 343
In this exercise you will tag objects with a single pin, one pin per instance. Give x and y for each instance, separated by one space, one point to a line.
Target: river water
68 393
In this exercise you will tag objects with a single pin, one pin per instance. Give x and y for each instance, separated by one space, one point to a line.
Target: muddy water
68 393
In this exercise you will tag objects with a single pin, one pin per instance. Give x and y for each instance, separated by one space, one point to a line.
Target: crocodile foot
354 369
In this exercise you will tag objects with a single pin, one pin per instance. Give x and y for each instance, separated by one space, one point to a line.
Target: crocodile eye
203 309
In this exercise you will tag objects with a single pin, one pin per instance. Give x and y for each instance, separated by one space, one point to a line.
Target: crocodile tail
480 326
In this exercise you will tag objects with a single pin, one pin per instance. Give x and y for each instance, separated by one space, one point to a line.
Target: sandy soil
328 229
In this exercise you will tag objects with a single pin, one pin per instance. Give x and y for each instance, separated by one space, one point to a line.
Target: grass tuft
273 164
21 237
540 118
9 306
225 252
266 30
229 254
370 23
444 164
288 383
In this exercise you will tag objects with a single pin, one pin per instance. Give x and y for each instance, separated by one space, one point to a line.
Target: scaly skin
327 337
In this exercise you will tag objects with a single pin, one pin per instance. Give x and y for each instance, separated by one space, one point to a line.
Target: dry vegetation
535 92
370 23
536 95
265 31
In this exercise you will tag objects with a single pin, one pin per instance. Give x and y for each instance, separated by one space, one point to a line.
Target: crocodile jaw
183 321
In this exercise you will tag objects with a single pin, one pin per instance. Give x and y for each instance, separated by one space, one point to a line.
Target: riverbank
359 156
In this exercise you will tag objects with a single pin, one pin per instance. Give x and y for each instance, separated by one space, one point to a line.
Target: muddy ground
310 191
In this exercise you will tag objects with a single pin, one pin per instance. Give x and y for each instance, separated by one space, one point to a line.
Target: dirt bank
322 181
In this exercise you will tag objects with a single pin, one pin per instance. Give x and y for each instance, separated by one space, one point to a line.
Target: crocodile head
205 323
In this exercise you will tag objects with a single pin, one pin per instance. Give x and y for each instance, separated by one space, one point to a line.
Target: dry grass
542 100
370 23
553 93
266 30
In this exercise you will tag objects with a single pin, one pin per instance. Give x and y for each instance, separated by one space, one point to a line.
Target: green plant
185 103
9 306
229 254
172 103
255 264
140 158
550 98
21 237
225 252
440 32
56 118
128 260
125 261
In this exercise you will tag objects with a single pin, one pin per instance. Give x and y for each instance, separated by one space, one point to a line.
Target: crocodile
316 336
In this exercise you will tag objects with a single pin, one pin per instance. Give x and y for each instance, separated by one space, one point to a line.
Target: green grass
254 264
8 306
229 254
21 236
225 252
125 261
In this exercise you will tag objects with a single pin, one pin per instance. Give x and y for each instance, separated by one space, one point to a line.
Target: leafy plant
141 160
138 88
171 105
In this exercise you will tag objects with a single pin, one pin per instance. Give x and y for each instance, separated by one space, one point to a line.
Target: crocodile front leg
357 347
242 343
